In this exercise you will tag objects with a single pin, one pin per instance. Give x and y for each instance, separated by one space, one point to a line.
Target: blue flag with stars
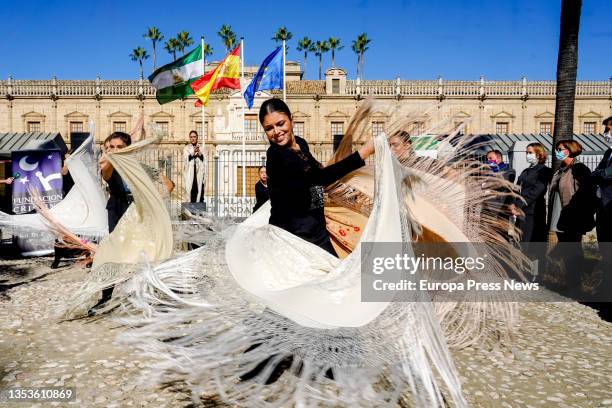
269 76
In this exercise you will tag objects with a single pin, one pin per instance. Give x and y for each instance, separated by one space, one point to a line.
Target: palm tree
184 41
567 64
139 54
155 36
360 46
306 45
320 48
206 52
171 46
282 34
227 36
334 44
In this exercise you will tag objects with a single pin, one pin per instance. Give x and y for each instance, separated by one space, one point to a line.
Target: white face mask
608 138
531 158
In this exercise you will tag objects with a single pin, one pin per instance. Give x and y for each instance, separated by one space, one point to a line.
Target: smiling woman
296 179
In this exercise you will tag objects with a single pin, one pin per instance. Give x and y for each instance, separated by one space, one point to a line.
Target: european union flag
269 76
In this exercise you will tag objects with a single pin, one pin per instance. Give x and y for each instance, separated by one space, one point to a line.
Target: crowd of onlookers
578 199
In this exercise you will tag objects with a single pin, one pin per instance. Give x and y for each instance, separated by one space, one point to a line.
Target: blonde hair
539 150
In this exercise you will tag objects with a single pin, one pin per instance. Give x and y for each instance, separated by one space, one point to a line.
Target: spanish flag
226 75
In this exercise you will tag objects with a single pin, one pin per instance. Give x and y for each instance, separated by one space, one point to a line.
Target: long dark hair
127 139
273 105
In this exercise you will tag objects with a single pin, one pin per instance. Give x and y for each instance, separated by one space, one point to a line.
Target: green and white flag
172 80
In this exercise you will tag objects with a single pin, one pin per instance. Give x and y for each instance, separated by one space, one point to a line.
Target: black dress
295 186
118 201
534 183
261 195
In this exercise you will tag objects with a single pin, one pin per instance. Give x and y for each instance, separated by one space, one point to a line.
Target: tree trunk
567 64
333 59
304 73
320 65
174 54
154 57
141 69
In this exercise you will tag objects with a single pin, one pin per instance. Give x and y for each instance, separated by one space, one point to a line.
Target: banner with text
39 170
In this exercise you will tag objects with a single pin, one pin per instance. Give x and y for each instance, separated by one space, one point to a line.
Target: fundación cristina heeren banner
39 170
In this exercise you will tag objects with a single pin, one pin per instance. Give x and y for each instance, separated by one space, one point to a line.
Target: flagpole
203 151
284 83
243 119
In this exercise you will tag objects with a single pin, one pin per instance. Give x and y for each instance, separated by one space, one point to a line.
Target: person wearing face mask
495 161
571 195
571 210
533 183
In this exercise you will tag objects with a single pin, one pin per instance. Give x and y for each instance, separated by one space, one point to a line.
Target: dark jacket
261 195
295 186
602 177
578 215
534 183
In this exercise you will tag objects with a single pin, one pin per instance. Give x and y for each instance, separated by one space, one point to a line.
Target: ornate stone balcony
439 88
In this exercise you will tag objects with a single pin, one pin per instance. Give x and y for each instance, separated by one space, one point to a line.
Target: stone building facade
320 108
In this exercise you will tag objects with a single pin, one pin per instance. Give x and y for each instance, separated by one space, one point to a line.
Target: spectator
571 195
602 177
533 183
194 169
261 189
499 205
571 209
495 161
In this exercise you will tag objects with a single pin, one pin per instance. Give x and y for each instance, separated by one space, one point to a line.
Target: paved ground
562 357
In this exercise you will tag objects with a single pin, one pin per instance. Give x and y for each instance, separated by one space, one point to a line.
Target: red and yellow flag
226 75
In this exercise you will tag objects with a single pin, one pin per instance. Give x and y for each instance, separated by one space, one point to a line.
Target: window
377 128
419 128
298 129
198 128
589 127
459 124
502 128
252 177
163 126
76 127
119 126
34 127
546 128
337 128
335 86
250 124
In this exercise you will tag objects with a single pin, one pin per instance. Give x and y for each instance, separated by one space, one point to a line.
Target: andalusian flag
172 81
226 75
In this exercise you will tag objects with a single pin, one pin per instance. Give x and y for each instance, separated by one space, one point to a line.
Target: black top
602 177
119 199
534 183
261 195
295 186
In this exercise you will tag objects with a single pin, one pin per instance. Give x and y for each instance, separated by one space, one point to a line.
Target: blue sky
457 39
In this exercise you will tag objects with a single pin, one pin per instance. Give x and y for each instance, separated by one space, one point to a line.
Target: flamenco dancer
266 314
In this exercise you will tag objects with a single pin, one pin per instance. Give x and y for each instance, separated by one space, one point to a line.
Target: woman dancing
297 180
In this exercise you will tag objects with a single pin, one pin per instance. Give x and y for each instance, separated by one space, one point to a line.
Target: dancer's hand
367 149
105 167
